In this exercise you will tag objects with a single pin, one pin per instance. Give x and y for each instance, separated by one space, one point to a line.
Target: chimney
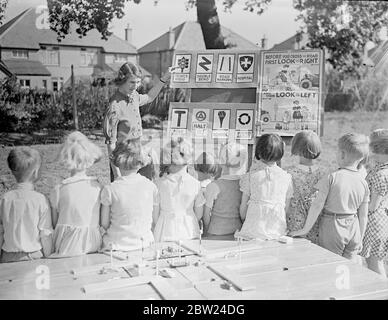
171 38
128 34
264 42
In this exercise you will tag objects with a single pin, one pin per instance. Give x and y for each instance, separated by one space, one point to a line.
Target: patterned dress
304 179
375 242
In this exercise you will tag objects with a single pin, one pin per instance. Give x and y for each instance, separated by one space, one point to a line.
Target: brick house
33 54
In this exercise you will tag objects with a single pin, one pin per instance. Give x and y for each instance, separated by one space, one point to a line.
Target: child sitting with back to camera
180 197
223 196
75 201
342 198
207 170
128 202
25 217
266 193
375 241
305 175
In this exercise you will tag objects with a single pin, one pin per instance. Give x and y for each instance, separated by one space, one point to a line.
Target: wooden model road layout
216 269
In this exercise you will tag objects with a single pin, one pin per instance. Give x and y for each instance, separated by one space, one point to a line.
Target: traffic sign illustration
221 119
245 67
183 62
204 68
245 63
244 120
179 118
225 63
205 63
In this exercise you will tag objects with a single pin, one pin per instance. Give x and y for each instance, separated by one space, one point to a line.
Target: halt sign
200 123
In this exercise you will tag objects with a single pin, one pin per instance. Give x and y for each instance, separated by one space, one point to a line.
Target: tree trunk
211 29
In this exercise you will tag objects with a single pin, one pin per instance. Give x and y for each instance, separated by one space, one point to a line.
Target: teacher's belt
327 213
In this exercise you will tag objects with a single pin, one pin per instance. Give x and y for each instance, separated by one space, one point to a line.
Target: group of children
345 211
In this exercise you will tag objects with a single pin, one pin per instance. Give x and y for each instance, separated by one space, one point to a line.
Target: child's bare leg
376 265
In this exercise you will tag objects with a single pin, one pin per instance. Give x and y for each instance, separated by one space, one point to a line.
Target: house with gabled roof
157 55
30 50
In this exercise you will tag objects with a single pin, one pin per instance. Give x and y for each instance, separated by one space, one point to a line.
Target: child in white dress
128 202
266 193
180 197
75 202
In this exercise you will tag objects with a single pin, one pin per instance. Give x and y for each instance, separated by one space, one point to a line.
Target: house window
24 83
57 83
50 57
88 58
20 54
121 57
44 84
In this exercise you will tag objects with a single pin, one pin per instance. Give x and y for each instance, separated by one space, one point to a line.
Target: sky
148 21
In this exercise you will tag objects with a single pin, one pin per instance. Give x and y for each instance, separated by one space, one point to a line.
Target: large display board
215 69
290 91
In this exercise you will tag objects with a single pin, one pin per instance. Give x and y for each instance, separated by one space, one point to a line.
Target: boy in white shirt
25 215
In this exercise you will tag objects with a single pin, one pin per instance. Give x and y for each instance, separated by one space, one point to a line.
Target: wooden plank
117 284
164 289
313 282
27 269
215 249
236 281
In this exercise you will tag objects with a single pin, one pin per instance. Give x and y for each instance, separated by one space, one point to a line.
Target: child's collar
78 177
25 185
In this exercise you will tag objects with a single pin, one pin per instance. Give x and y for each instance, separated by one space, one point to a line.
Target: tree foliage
343 28
3 6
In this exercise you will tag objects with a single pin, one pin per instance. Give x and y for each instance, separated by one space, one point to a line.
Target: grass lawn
335 125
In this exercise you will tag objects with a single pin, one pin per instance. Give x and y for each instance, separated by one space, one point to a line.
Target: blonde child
206 169
305 175
223 196
375 241
181 200
266 193
128 202
75 202
25 217
342 198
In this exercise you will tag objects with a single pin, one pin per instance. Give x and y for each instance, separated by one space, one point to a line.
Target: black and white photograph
211 152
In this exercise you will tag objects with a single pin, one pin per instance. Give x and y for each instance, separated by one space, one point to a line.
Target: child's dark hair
205 163
269 148
126 71
306 143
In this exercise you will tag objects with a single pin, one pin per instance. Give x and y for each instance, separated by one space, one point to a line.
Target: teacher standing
122 119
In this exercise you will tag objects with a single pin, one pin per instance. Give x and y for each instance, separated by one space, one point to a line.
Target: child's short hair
178 151
306 144
129 155
233 155
355 145
22 161
379 141
78 152
269 147
206 163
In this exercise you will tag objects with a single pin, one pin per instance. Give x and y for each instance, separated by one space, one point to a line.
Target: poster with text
290 92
